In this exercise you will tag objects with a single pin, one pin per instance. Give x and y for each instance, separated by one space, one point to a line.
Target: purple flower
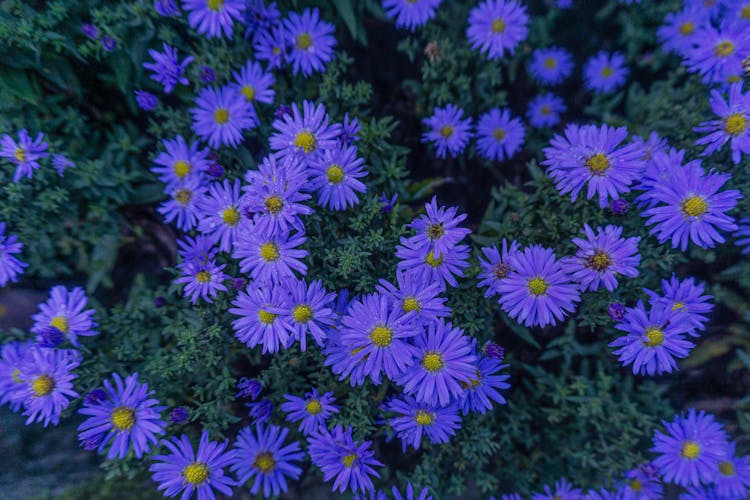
311 41
733 479
146 100
10 266
12 387
616 311
214 18
221 219
544 110
61 163
494 351
260 17
651 146
410 495
262 317
183 205
238 284
413 420
335 176
160 301
180 161
50 336
497 26
411 14
563 490
537 292
47 377
387 203
166 8
678 33
187 471
204 281
311 412
733 125
195 251
167 68
551 66
108 43
207 74
271 46
499 136
423 265
260 412
640 483
484 386
127 418
271 257
422 297
304 134
65 311
248 388
742 235
215 170
221 115
496 267
349 130
254 83
90 30
449 132
686 298
309 310
24 153
605 72
179 415
437 231
718 57
619 207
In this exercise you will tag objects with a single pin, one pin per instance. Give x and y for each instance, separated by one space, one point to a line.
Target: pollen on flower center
381 336
269 251
431 261
424 417
724 49
302 313
411 304
598 164
690 449
266 317
265 462
435 231
446 131
498 25
304 41
249 92
16 376
538 286
693 206
20 154
550 63
726 468
221 116
203 276
183 196
636 485
181 168
654 336
349 459
432 361
545 110
335 174
607 71
735 124
230 216
123 418
306 141
745 12
599 261
195 473
61 323
499 134
313 407
687 28
677 306
273 204
43 385
500 270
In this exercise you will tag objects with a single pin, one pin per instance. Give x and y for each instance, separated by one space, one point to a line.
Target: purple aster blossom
195 251
24 153
544 110
254 83
260 17
411 14
658 171
376 331
90 31
262 317
619 207
339 456
685 298
537 292
260 453
311 40
94 397
551 66
496 267
238 284
678 33
109 44
271 46
221 115
166 8
444 365
270 257
689 206
50 336
349 130
691 449
422 264
733 125
10 266
339 356
47 383
203 281
410 494
180 161
497 26
167 68
742 235
187 471
215 170
179 415
499 135
605 72
485 386
652 339
413 419
733 479
221 214
61 163
639 484
601 256
304 133
311 412
310 310
388 203
562 490
248 388
214 18
593 155
493 350
160 301
335 176
718 57
146 100
616 311
127 418
414 295
183 205
65 311
448 131
12 387
652 145
437 230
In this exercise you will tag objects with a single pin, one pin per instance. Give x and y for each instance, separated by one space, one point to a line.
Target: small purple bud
50 337
109 43
387 204
166 8
215 170
207 74
90 30
146 100
160 301
260 411
238 284
179 415
282 111
616 311
212 156
619 207
95 397
493 350
248 388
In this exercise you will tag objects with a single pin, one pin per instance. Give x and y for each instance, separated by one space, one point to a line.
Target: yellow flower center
195 473
304 41
654 336
221 116
411 304
446 131
203 276
607 71
249 92
349 459
313 407
269 251
43 385
473 383
306 141
599 261
550 63
677 306
687 28
499 134
273 204
690 449
745 12
266 317
545 110
61 323
498 25
20 155
183 196
302 313
16 375
424 417
265 462
538 286
432 361
230 216
431 261
735 124
181 168
500 271
123 418
335 174
734 78
381 336
435 231
724 49
636 485
726 468
598 164
694 206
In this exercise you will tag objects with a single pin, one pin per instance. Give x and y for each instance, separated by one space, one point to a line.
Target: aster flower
248 388
24 153
601 257
733 125
311 40
262 317
616 311
349 130
91 31
718 57
499 136
260 412
377 329
167 68
448 131
50 337
691 449
422 297
270 257
195 251
180 161
61 163
733 479
742 235
414 419
689 206
339 456
309 310
411 14
410 493
562 489
496 267
127 417
261 454
653 339
214 18
254 83
544 110
445 361
551 66
678 33
10 266
686 298
183 205
484 386
640 483
146 100
343 360
659 170
605 72
166 8
493 350
65 311
187 471
587 154
221 214
12 388
651 146
437 230
537 292
47 379
335 176
204 281
108 43
260 17
497 26
304 133
271 46
311 412
221 115
423 265
179 415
